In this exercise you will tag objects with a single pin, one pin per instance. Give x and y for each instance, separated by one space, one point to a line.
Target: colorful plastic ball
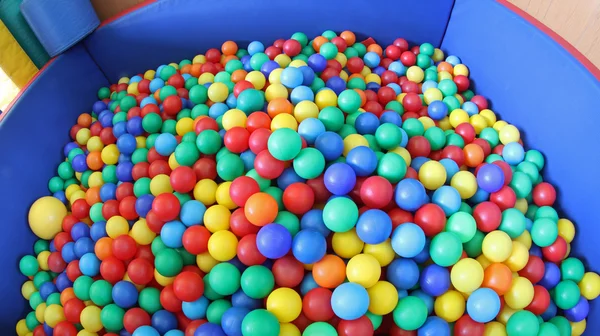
339 178
544 232
374 226
566 294
483 305
410 194
260 322
274 241
513 153
522 323
434 280
590 285
340 214
408 240
410 313
403 273
490 178
309 246
497 246
261 209
445 249
448 199
467 275
363 269
284 144
45 217
579 312
363 160
350 301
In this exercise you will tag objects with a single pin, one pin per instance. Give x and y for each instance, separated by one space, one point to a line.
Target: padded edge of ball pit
140 40
532 101
38 122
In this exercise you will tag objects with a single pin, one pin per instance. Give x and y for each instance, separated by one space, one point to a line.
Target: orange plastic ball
261 209
330 271
473 155
84 120
229 48
278 106
103 248
497 277
349 37
318 42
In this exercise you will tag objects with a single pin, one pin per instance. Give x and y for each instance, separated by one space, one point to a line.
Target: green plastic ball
277 194
127 103
340 214
224 279
251 100
199 110
96 213
28 265
209 292
392 167
56 184
263 183
563 325
309 163
233 65
320 329
463 225
111 317
260 322
410 313
473 246
53 298
284 144
167 71
521 184
360 48
423 61
257 281
446 249
289 221
40 278
168 262
436 137
109 174
413 127
187 257
152 122
149 300
35 300
522 323
209 142
448 87
544 232
101 293
350 52
300 37
452 102
566 294
388 136
229 167
530 169
332 117
139 155
328 50
572 269
535 157
427 49
82 286
216 309
513 222
65 170
349 101
376 320
546 212
103 93
186 154
257 60
31 321
41 245
169 126
356 83
454 139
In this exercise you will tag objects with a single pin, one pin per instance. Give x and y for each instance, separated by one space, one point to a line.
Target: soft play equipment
13 60
531 77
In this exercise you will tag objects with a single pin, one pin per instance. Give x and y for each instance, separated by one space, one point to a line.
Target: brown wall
577 21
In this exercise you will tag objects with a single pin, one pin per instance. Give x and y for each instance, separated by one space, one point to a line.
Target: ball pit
415 201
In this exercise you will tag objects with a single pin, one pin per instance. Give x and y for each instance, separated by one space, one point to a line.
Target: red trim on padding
24 89
557 38
125 12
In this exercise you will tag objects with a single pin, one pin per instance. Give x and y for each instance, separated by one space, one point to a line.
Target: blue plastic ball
408 240
288 177
428 299
490 178
309 76
119 129
349 301
79 163
337 84
89 265
454 60
63 282
330 144
108 192
231 321
410 194
317 62
579 312
274 241
391 117
134 126
513 153
451 168
80 230
470 108
165 144
143 205
125 295
83 245
551 276
145 331
366 123
240 299
291 77
363 160
46 289
435 280
172 234
310 128
124 171
418 161
196 309
192 213
309 246
68 252
313 220
437 110
308 283
126 144
374 226
255 47
434 326
339 178
371 59
163 321
403 273
398 68
483 305
447 198
268 67
210 329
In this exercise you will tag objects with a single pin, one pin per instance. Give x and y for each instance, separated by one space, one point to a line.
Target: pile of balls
309 187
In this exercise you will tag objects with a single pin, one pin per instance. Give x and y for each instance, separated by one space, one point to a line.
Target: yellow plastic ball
365 71
520 293
133 88
27 289
403 152
222 245
94 144
478 122
354 140
383 252
160 184
450 306
297 63
257 79
216 218
78 194
90 319
509 133
373 78
383 298
458 117
206 262
525 239
363 269
275 76
45 217
123 80
198 59
415 74
306 109
40 312
74 187
42 259
84 332
218 92
276 90
347 244
110 154
498 125
590 285
566 229
288 329
173 162
444 75
518 257
432 174
141 233
205 191
95 180
284 120
438 55
427 122
325 98
461 69
522 205
466 275
497 246
206 77
465 183
459 97
344 76
400 97
184 126
54 314
285 304
432 94
578 328
163 280
21 328
222 196
483 261
444 124
234 118
340 57
117 226
489 115
283 60
494 328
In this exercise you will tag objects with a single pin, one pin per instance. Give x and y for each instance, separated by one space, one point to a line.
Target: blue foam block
142 40
32 135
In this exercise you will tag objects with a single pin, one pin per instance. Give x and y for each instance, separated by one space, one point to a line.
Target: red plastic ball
72 310
56 262
241 86
316 304
188 286
170 301
236 139
334 64
506 170
376 192
266 165
239 224
68 222
374 107
556 251
65 328
540 302
124 247
154 156
292 47
480 101
504 198
411 173
455 154
172 105
61 239
135 318
388 77
154 223
190 330
465 326
408 58
359 327
355 65
242 188
183 179
80 209
95 129
213 55
209 67
195 239
318 186
412 102
386 94
166 206
431 218
127 208
205 168
73 271
140 271
340 43
248 252
544 194
176 81
206 124
487 149
110 209
301 322
418 146
272 52
329 73
534 269
258 140
396 331
123 190
487 216
288 272
393 52
466 131
462 82
112 269
140 169
145 252
410 87
298 198
257 120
